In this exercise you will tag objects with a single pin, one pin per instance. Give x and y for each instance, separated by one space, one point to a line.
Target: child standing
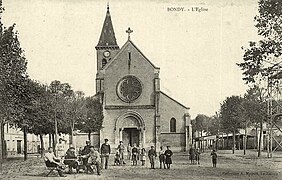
134 155
214 158
198 155
162 157
168 160
117 159
143 156
129 152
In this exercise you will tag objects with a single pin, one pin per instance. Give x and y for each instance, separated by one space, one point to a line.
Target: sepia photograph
141 89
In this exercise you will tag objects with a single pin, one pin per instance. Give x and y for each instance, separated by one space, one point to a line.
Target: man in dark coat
70 159
105 153
121 149
192 154
86 150
214 158
168 160
152 155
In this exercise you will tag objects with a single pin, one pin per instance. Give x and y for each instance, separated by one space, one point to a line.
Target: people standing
134 155
105 153
192 154
197 154
143 156
168 159
152 155
121 149
162 157
129 148
60 148
214 158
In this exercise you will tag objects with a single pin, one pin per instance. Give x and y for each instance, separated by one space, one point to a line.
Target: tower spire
107 38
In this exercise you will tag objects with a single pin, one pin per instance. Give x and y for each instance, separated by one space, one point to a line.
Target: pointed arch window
172 125
104 62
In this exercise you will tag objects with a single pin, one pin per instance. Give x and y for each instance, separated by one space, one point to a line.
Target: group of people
164 157
194 155
89 158
137 153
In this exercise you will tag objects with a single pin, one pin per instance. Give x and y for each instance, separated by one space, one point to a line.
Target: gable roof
128 42
174 100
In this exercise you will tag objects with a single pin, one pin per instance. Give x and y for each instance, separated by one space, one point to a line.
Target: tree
200 125
12 78
60 93
76 111
94 115
231 114
262 59
255 111
40 122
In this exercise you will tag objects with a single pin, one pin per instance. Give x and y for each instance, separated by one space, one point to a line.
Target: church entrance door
131 136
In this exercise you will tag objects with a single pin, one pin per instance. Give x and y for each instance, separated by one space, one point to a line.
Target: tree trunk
25 142
222 143
245 140
3 147
1 144
202 149
260 137
234 143
50 140
89 137
53 142
41 145
71 135
256 139
239 142
227 142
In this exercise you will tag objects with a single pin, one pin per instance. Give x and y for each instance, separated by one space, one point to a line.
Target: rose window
129 89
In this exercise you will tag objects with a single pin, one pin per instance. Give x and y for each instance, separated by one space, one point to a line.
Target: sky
196 51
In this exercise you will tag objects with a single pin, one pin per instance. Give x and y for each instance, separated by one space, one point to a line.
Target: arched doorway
130 129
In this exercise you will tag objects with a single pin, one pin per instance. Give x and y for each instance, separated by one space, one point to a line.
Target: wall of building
169 108
14 142
118 69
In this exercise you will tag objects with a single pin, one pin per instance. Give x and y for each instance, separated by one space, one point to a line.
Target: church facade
135 110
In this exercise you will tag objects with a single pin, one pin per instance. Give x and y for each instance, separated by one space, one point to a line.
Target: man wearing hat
70 159
121 152
86 150
152 155
105 153
168 154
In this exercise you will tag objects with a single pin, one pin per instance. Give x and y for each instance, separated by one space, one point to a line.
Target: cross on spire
129 31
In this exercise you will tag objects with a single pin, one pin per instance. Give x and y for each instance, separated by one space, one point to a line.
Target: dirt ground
230 166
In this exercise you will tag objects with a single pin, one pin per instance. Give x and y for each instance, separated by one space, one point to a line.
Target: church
135 110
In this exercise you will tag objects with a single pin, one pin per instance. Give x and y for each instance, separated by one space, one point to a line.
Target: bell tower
106 49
